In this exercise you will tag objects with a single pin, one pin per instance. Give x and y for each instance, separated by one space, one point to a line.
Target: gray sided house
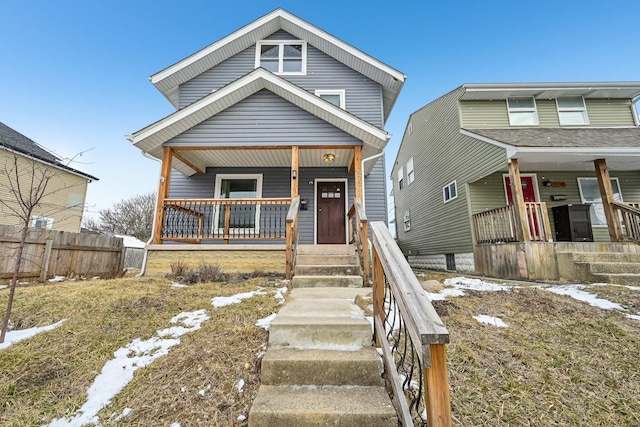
531 180
277 114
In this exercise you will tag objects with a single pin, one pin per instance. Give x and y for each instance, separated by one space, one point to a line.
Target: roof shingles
562 137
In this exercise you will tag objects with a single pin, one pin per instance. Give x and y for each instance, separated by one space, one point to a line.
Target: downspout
375 156
153 225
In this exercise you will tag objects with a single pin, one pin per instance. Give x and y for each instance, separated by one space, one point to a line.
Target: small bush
181 272
178 268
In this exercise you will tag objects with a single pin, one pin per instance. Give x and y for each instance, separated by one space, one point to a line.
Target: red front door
529 195
330 205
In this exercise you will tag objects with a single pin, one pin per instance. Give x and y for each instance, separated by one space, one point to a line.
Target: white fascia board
264 78
511 150
629 151
71 171
278 13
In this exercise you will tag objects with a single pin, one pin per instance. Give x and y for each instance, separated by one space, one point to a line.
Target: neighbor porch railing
500 225
359 236
411 335
630 214
192 220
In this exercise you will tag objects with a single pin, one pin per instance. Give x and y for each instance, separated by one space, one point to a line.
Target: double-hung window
590 194
410 174
282 57
522 111
244 217
334 96
572 110
42 222
401 178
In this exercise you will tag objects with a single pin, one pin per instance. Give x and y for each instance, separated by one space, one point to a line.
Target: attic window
522 111
336 97
282 57
572 111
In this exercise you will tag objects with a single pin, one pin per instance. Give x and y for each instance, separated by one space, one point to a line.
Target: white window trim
582 200
407 221
216 194
315 204
281 43
410 128
400 176
411 174
444 194
534 110
583 110
340 92
36 218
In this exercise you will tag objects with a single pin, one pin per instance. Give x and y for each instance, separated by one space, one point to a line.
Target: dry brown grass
47 376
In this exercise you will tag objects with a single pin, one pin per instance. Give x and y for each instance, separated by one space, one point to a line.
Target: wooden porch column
295 173
606 192
163 192
357 171
518 200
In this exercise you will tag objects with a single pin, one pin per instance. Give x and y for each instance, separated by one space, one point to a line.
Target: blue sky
73 74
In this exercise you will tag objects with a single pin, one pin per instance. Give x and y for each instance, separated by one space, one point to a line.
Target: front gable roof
168 80
14 141
151 138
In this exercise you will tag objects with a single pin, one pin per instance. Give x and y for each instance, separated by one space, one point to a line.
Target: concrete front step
324 281
325 250
615 267
606 257
326 270
336 406
326 259
618 279
321 367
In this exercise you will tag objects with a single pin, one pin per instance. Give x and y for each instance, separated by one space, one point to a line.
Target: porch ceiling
572 160
625 90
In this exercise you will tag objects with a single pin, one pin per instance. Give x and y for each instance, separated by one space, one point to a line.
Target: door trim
536 191
315 206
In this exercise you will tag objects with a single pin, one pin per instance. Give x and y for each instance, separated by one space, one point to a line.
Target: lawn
559 361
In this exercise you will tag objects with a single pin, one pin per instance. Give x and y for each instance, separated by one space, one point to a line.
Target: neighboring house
570 144
275 111
63 202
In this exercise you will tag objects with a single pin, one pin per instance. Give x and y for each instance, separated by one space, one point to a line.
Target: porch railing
630 214
192 220
359 236
292 236
411 335
500 225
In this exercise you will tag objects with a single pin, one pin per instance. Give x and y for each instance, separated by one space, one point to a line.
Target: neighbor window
336 97
590 194
410 174
522 111
407 221
282 57
242 217
572 110
450 191
42 222
401 178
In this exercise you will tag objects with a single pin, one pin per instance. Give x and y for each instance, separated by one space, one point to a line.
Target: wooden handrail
630 213
395 285
292 236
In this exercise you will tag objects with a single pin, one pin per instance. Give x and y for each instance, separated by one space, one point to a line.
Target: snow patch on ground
218 302
240 386
576 292
178 285
279 292
489 320
57 279
265 322
634 316
13 337
3 286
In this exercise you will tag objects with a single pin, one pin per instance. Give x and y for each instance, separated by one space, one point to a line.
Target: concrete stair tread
325 250
326 270
321 367
329 292
337 406
350 259
308 281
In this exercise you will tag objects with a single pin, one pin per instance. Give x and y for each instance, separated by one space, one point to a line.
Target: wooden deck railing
500 225
630 213
411 335
292 236
359 235
192 220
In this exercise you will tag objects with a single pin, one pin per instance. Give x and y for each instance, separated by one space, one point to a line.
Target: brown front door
330 203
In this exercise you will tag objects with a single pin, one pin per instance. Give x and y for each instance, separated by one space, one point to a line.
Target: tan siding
63 188
484 114
547 113
488 192
440 154
609 112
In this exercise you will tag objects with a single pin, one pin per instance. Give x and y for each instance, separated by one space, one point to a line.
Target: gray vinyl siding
276 183
489 193
363 96
440 155
263 119
494 114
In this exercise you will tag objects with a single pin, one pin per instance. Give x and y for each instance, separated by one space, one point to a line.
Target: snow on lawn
265 322
490 320
178 285
57 279
118 372
218 302
576 292
13 337
3 286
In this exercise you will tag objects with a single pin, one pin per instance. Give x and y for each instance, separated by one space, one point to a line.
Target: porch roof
151 139
551 90
565 149
168 80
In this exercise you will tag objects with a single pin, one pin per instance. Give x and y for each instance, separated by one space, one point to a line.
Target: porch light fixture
329 157
294 174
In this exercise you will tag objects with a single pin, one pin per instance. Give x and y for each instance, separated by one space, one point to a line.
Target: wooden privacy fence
411 336
50 253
